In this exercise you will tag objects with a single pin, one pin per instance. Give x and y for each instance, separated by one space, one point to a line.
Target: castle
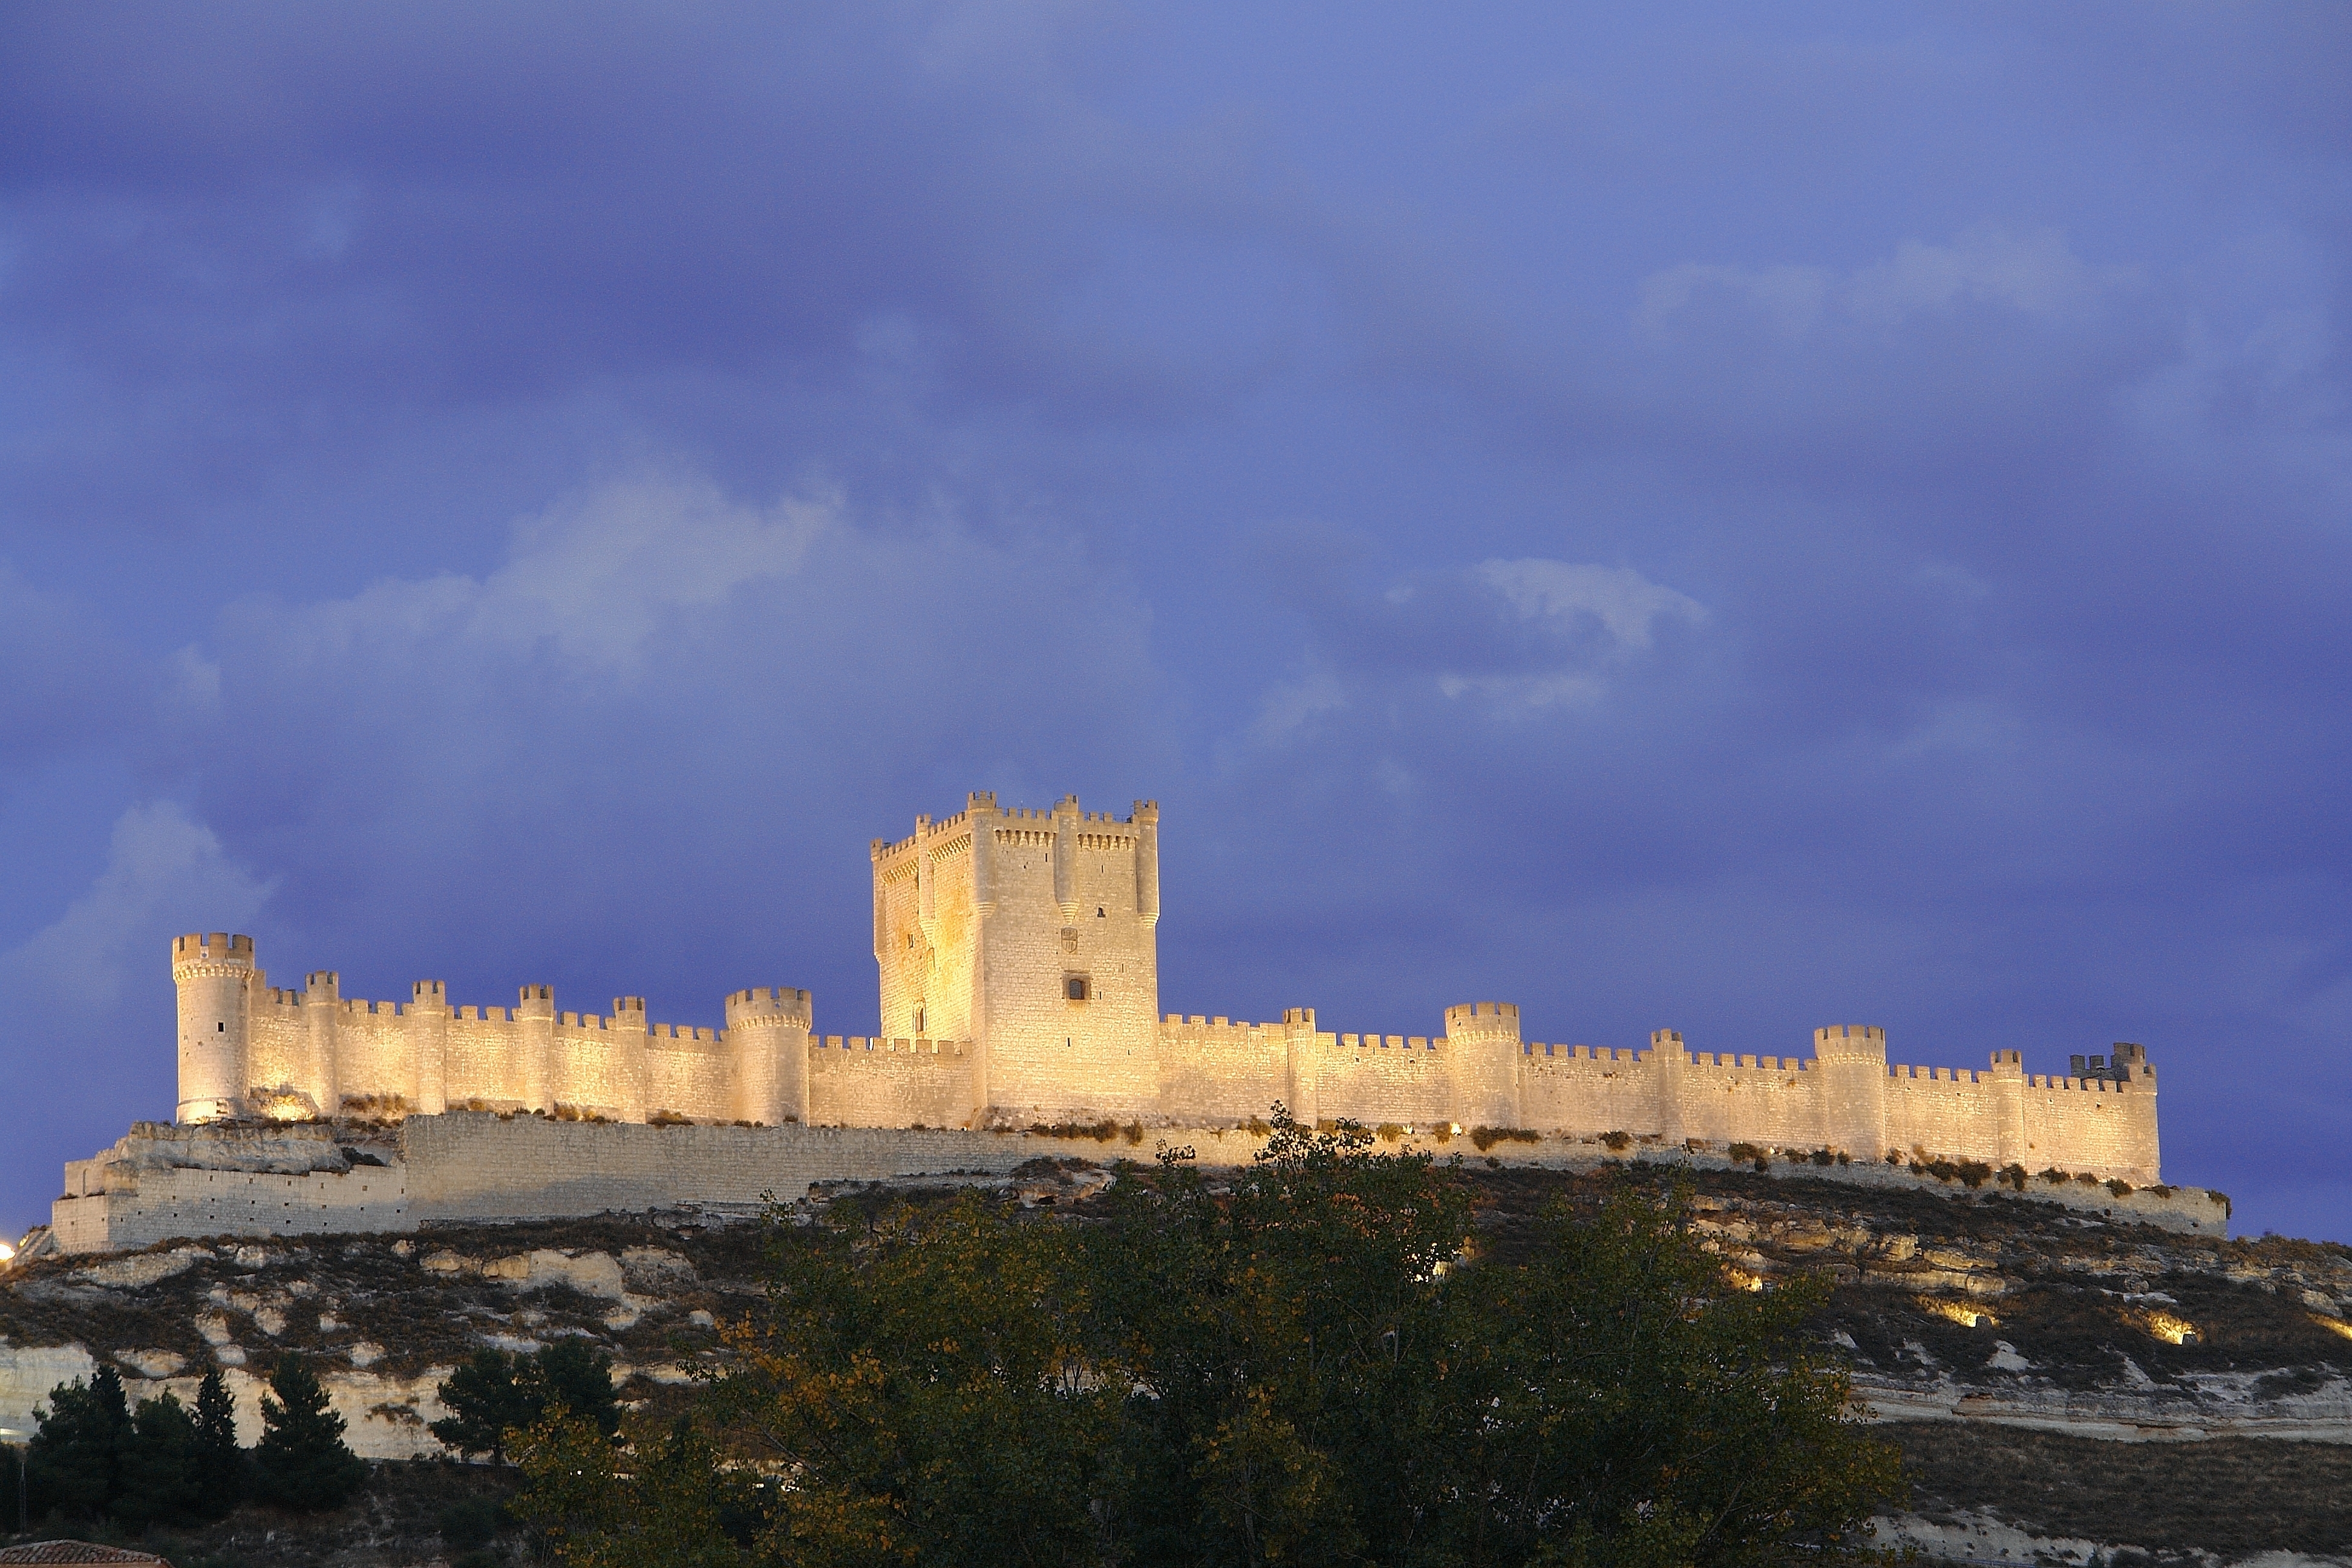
1019 971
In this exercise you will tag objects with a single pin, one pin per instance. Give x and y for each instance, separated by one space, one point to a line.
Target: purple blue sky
1726 518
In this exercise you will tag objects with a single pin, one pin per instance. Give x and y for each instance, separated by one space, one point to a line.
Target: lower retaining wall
469 1166
475 1166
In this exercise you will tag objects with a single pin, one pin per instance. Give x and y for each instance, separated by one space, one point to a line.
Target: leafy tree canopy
1306 1362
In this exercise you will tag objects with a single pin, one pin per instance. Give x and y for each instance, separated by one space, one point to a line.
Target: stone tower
767 1037
1852 1060
216 980
1482 1040
1031 934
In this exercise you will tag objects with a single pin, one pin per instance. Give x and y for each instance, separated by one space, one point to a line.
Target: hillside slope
2025 1357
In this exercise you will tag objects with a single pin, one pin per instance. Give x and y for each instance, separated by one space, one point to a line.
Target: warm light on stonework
2172 1331
2334 1325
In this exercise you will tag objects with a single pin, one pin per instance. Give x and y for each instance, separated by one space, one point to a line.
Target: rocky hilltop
2019 1351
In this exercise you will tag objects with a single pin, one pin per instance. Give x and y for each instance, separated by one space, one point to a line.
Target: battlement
1391 1042
1197 1032
1486 1018
1545 1054
859 1046
1850 1042
1740 1063
1026 826
218 951
768 1004
1019 985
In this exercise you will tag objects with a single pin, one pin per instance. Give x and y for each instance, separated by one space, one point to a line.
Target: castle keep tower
1031 934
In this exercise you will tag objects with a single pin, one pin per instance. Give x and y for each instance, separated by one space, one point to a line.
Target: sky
1725 518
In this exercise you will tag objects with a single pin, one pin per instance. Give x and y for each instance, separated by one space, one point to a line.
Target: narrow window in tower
1076 987
1098 912
221 1028
919 1021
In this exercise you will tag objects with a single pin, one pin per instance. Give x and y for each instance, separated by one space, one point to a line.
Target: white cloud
2033 274
165 873
1519 636
1621 599
596 577
1789 297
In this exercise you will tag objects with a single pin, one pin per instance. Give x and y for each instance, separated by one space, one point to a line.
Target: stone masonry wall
857 1082
1404 1081
1017 953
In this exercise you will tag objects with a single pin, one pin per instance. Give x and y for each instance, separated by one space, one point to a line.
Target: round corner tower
767 1039
215 979
1852 1060
1481 1041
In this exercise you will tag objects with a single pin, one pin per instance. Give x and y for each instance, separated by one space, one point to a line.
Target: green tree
219 1462
495 1393
926 1381
73 1465
678 1508
483 1402
301 1461
572 1374
1621 1400
1278 1327
1308 1360
158 1480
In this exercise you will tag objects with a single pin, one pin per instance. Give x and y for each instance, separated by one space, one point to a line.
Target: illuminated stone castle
1018 956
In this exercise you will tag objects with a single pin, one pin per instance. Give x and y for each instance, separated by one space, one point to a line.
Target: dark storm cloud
1714 521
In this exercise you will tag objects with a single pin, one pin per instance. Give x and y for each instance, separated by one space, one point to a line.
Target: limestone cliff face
383 1320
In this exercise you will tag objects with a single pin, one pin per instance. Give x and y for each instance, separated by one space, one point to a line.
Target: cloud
2035 274
165 873
1619 597
595 578
93 989
547 771
1522 634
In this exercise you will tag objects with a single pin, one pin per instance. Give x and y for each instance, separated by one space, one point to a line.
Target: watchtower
1033 935
1482 1042
216 980
1852 1060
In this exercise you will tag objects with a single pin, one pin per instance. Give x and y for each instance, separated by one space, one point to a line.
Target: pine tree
219 1462
302 1461
157 1477
484 1404
74 1463
494 1394
569 1373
